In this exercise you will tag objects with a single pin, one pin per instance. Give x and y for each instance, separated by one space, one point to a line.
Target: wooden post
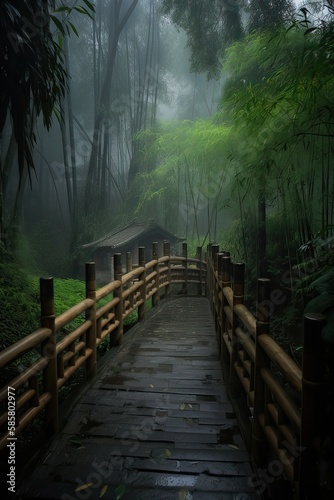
128 256
199 257
261 361
155 256
118 293
226 282
112 276
208 271
313 397
184 289
238 298
49 351
212 251
142 276
168 286
219 298
91 316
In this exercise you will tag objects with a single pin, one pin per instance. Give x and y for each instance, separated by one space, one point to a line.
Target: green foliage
33 75
210 27
188 182
264 15
45 251
213 25
19 310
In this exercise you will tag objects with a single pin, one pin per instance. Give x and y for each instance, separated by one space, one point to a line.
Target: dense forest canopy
87 90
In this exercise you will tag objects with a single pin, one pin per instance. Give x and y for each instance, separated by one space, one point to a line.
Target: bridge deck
155 424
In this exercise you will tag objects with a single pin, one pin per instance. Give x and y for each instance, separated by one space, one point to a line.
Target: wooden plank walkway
155 424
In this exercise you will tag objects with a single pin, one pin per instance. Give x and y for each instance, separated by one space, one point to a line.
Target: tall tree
32 76
119 13
211 25
266 14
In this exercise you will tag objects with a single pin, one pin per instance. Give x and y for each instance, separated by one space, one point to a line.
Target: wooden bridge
155 419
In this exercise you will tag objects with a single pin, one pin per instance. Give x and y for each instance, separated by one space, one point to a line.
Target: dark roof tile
130 234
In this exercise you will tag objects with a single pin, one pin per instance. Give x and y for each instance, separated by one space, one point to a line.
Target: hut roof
131 233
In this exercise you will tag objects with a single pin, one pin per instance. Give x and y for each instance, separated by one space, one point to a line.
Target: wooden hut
127 239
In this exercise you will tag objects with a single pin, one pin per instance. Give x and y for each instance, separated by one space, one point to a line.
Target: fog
119 145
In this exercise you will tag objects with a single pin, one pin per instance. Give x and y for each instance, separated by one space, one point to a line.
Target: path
155 424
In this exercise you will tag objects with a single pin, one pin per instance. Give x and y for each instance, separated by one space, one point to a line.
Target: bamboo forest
210 122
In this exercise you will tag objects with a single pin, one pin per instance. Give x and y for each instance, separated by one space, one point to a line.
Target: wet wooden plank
157 420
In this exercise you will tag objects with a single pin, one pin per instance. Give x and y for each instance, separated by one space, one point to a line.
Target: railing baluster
209 274
91 316
226 282
155 256
199 257
185 265
142 276
166 246
219 298
128 256
49 351
238 298
118 272
261 361
214 253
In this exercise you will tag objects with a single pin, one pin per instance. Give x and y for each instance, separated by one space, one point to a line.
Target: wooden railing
285 401
103 311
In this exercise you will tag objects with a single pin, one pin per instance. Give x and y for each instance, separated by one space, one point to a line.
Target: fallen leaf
168 453
234 446
182 407
75 441
83 486
190 406
104 489
119 491
151 385
183 494
161 459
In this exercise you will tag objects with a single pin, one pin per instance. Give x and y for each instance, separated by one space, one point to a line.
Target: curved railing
103 311
285 400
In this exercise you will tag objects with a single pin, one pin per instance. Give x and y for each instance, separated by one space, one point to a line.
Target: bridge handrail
285 423
22 346
101 315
